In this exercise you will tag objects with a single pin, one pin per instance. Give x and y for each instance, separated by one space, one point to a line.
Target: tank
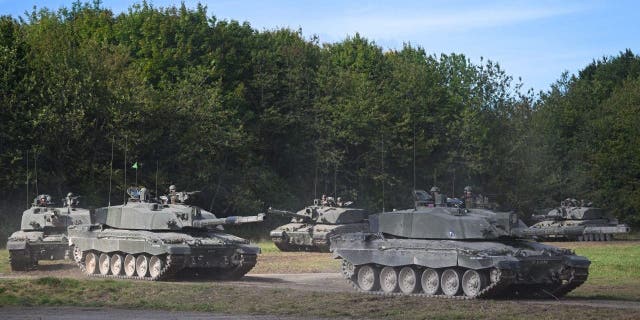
449 252
43 232
159 241
577 221
311 228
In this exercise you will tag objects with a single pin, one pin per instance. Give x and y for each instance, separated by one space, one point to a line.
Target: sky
535 41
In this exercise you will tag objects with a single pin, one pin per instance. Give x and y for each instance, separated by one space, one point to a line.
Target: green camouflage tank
439 251
311 228
43 232
155 241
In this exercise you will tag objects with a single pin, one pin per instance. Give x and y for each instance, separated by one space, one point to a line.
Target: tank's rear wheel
155 266
91 263
142 265
117 262
450 282
104 264
368 279
473 282
407 280
130 265
430 281
389 279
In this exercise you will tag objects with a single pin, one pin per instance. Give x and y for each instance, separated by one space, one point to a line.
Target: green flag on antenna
135 165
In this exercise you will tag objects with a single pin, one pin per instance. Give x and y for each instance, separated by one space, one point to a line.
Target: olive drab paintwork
156 241
577 220
455 252
311 228
43 232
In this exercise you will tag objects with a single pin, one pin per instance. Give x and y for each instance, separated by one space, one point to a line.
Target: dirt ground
78 313
316 281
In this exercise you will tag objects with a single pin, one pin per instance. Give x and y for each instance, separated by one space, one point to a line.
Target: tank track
22 260
499 289
173 264
288 247
248 262
234 273
578 277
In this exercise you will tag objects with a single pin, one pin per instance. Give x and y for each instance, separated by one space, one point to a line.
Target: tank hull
311 237
207 254
579 230
483 269
26 248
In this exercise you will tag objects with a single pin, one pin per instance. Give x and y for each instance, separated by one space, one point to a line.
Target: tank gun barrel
286 213
543 232
232 220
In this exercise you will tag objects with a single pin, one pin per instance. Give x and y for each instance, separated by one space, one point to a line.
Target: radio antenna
125 169
335 180
35 168
157 180
414 156
28 197
382 168
111 168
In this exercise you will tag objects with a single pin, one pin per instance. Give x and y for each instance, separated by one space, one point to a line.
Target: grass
614 272
273 260
613 275
214 297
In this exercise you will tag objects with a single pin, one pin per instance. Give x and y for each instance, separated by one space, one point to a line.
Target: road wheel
389 279
450 282
142 265
430 281
104 264
408 280
368 279
130 265
117 262
473 282
155 266
91 263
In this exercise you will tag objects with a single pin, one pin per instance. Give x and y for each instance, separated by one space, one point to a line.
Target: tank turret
43 231
576 220
447 252
154 241
311 227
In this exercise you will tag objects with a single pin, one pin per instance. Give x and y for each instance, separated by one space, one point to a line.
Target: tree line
270 118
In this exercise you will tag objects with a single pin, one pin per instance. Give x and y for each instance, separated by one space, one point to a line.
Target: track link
500 289
173 264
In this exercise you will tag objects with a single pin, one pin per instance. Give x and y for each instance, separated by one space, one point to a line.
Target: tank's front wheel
473 282
155 266
368 279
407 280
450 282
430 281
142 265
91 263
116 264
389 279
130 265
104 264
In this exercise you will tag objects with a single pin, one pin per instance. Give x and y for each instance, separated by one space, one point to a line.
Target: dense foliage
256 118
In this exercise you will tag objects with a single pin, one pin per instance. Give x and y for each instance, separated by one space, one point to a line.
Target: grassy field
615 275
